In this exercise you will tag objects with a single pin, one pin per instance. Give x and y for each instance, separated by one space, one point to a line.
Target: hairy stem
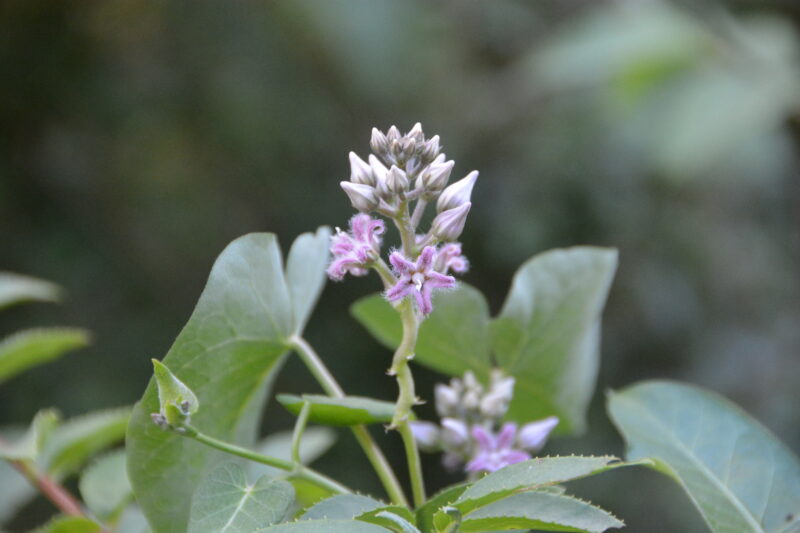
385 273
295 468
419 209
407 234
368 444
407 398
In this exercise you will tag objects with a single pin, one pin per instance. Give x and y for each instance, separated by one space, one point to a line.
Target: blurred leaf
325 526
227 353
16 491
132 520
70 524
347 411
315 442
16 288
105 487
547 333
28 447
735 471
33 347
541 511
452 340
225 502
76 440
305 273
341 507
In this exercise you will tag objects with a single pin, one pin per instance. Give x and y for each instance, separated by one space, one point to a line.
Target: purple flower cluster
354 251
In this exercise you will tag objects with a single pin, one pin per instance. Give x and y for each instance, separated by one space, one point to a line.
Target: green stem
419 209
385 273
407 234
407 398
299 428
296 469
370 447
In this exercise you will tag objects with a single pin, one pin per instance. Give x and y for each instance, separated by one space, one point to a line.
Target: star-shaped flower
495 451
418 279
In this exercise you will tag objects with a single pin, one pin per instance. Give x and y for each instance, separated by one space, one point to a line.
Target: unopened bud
435 177
446 400
532 436
381 176
471 400
457 194
471 382
360 171
430 149
396 180
415 133
448 225
378 142
362 197
455 434
407 148
494 405
426 434
393 134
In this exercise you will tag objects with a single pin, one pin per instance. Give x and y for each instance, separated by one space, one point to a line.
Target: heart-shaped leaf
347 411
227 353
740 477
226 503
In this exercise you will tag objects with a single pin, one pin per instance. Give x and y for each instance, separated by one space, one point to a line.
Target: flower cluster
470 432
404 170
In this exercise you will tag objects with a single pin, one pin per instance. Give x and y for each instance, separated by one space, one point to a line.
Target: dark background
138 138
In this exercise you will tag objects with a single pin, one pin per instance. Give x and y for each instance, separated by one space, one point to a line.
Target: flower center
418 279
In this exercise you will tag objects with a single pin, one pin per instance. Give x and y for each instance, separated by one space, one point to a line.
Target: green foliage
34 347
227 354
541 511
16 491
16 288
347 411
441 499
76 440
546 336
105 487
70 524
226 503
305 273
391 521
341 507
28 447
740 477
315 442
326 526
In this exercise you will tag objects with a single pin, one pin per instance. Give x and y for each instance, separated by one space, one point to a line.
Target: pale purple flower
449 257
533 435
426 434
495 451
353 251
418 279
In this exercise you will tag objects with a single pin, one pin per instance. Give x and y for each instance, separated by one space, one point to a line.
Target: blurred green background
138 138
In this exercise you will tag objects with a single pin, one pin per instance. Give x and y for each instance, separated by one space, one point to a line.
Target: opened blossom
417 279
495 451
354 250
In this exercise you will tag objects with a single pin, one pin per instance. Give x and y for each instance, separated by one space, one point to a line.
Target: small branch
385 273
50 489
419 210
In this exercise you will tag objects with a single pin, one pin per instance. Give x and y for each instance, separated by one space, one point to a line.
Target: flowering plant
194 460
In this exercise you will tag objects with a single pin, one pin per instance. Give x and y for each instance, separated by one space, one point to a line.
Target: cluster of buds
407 168
404 170
471 432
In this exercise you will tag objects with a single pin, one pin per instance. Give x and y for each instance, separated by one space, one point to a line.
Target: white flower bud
396 180
532 436
393 134
446 399
455 434
360 171
426 434
362 197
381 175
471 400
494 406
378 142
415 133
448 225
471 383
459 193
430 150
434 179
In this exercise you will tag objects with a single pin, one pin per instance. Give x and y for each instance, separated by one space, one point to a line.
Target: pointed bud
381 177
455 434
448 225
408 147
435 177
447 400
176 400
532 436
458 193
430 150
393 134
471 400
362 197
426 434
378 142
360 171
396 180
415 133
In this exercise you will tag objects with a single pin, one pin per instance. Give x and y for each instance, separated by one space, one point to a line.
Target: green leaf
70 524
16 288
105 487
226 503
227 353
548 331
305 273
390 520
28 447
541 511
347 411
16 491
173 392
341 507
452 340
315 442
530 475
740 477
442 499
132 520
33 347
325 526
75 441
